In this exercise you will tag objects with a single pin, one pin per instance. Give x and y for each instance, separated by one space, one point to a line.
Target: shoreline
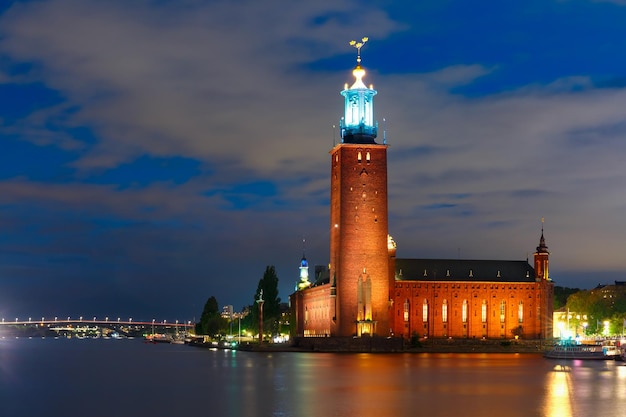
380 345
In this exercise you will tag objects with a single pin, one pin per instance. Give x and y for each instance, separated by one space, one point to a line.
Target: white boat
572 350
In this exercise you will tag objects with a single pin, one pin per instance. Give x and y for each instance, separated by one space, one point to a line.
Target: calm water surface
66 378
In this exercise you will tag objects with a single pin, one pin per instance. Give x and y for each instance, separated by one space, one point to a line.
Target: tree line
213 324
590 309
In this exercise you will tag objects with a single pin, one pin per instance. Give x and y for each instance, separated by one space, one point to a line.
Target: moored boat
157 338
572 350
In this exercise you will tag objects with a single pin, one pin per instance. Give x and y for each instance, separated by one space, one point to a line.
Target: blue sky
155 153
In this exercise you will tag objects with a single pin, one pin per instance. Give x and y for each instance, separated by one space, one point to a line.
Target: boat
157 338
569 349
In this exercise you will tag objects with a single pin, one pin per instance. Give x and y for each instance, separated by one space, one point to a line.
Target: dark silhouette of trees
211 322
561 294
271 306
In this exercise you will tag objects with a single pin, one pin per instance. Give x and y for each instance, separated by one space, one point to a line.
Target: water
65 378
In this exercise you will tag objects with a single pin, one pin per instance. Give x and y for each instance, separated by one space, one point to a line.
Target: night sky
155 152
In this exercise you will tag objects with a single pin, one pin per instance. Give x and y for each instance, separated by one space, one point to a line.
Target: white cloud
228 84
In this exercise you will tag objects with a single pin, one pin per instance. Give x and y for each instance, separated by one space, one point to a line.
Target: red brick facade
359 264
473 309
506 306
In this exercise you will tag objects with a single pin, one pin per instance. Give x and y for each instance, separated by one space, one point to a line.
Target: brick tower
359 258
545 287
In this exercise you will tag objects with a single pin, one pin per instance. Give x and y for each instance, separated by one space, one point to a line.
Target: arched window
520 312
425 311
444 311
502 311
406 310
483 312
464 312
358 157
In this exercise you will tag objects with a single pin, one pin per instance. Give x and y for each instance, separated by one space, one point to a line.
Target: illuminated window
359 156
406 310
520 312
502 311
483 312
444 311
425 311
367 156
464 312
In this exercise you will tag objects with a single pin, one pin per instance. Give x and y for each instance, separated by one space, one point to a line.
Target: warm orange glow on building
370 292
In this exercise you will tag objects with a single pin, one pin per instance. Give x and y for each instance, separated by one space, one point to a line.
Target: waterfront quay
386 345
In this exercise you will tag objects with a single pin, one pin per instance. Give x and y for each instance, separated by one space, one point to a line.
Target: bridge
93 326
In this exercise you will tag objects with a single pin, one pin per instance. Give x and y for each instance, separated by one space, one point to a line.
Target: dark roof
322 275
463 270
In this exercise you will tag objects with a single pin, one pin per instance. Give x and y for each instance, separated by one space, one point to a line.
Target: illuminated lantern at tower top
358 125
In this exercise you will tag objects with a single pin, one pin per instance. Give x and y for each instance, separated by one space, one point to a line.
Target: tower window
358 157
367 156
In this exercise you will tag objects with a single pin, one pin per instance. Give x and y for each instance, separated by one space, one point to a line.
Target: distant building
227 312
367 291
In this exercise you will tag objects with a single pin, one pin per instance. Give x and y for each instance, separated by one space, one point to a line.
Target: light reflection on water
69 378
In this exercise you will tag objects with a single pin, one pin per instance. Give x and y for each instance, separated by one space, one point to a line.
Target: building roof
463 270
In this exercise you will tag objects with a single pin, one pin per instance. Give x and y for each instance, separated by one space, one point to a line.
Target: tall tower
359 259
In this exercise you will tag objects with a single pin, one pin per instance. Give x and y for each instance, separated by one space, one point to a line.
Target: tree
561 295
604 303
271 306
211 322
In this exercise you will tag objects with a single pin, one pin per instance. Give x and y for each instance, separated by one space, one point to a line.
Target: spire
542 248
358 125
541 259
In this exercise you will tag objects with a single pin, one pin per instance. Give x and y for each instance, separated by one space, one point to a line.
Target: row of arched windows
464 311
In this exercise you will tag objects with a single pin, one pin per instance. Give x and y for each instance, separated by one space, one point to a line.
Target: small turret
304 274
541 258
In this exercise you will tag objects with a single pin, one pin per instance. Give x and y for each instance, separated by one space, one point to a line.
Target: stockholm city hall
369 292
